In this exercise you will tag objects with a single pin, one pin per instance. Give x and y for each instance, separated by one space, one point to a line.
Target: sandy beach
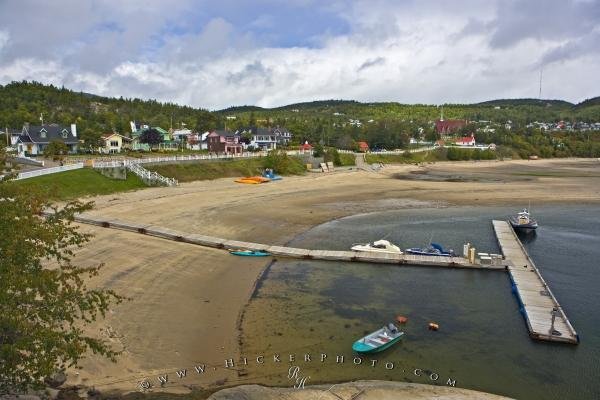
185 301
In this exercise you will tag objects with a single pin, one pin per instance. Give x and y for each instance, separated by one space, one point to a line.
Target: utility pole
540 92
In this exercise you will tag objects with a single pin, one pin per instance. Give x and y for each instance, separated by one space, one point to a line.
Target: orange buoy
433 326
401 320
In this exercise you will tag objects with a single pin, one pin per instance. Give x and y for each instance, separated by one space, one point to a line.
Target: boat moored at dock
523 222
378 246
434 249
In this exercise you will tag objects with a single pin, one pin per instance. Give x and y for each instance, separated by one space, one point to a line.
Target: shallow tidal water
311 307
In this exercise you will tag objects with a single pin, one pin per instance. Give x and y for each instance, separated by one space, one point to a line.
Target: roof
108 135
263 131
221 132
35 134
467 139
362 144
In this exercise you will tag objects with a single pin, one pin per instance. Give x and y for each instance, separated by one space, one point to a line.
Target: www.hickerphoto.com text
306 359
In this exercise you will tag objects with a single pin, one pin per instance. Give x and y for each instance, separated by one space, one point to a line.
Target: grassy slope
347 159
79 183
427 156
198 171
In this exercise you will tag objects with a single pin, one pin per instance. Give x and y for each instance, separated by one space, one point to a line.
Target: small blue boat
250 253
434 249
269 173
379 340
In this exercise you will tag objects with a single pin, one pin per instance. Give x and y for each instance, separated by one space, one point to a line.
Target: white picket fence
46 171
195 157
151 175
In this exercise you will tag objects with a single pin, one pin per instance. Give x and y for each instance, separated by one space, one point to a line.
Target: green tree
318 150
56 150
151 136
44 302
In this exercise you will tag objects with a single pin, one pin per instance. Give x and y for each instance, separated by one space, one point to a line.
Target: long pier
283 251
545 318
543 314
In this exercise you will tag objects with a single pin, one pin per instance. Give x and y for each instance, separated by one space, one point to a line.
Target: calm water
322 307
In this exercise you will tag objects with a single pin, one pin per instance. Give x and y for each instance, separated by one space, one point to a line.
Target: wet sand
186 300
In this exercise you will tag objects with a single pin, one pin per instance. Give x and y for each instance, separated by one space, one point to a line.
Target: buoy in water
401 319
433 326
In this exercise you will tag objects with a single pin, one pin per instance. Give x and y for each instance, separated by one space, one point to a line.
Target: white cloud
4 37
414 52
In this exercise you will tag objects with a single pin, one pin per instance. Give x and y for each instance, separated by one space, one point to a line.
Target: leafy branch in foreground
44 301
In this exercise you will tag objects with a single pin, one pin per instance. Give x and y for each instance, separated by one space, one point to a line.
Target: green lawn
77 183
425 156
206 170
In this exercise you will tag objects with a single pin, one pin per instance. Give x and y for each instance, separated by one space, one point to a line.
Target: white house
198 141
466 141
114 143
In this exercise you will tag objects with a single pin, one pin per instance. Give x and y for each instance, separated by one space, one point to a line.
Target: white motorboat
379 246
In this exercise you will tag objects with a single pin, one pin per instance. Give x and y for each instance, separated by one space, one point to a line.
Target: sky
216 54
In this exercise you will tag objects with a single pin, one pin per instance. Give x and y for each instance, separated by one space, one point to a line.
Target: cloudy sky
218 53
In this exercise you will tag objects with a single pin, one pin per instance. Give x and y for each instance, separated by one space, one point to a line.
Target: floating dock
545 318
290 252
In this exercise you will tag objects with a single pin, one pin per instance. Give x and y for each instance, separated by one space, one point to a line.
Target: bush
333 155
318 150
280 162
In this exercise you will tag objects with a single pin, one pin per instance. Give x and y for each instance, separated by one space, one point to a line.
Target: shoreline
235 212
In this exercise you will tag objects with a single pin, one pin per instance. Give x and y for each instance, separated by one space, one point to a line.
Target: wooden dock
284 251
536 301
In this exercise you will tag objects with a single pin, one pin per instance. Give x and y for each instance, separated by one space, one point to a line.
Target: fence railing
46 171
151 175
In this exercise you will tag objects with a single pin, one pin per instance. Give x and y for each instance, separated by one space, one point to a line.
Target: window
114 143
65 133
43 133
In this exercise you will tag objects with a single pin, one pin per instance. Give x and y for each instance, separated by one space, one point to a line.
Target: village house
138 129
362 146
305 146
267 138
466 141
114 143
198 141
224 142
34 139
181 135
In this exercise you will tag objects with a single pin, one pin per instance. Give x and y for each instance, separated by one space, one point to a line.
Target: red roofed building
445 127
362 146
466 141
305 147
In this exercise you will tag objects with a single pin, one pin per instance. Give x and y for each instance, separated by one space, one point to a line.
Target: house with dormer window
267 138
34 139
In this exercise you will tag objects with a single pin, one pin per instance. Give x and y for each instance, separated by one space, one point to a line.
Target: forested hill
22 102
519 111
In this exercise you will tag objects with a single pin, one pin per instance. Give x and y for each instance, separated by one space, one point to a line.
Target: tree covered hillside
339 123
22 102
